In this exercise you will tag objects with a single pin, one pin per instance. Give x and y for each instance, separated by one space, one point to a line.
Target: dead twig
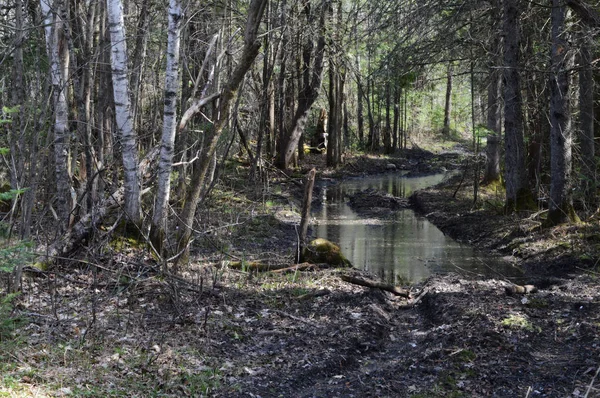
296 318
416 300
318 293
376 285
587 392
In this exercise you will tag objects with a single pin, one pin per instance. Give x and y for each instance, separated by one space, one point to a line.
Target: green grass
514 321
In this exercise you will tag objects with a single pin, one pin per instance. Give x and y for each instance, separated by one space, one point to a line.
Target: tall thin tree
517 191
250 51
59 70
123 115
312 78
165 165
561 200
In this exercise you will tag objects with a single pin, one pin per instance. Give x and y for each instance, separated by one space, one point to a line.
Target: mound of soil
371 203
539 251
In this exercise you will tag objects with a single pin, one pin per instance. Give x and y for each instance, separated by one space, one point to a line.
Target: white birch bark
169 124
59 61
123 109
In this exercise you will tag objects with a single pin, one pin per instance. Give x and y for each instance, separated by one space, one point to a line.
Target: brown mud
125 329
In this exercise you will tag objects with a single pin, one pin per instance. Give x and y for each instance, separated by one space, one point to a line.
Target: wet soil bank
557 251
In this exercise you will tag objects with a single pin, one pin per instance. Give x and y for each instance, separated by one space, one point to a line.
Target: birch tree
157 231
59 69
123 117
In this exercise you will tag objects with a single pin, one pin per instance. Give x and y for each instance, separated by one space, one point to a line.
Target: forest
177 182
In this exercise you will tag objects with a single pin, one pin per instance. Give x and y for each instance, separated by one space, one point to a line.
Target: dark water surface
402 245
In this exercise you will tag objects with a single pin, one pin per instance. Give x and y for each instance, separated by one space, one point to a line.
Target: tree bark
586 112
494 117
165 165
123 111
376 285
59 70
588 15
387 134
360 120
80 37
517 191
396 120
335 121
138 60
310 90
492 166
88 223
17 129
448 103
249 53
561 201
309 183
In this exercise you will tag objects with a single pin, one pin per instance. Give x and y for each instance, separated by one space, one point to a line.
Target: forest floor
111 324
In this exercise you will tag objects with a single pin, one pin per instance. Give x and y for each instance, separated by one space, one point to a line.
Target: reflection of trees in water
335 194
399 248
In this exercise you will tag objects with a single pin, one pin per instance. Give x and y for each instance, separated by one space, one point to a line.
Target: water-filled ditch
397 244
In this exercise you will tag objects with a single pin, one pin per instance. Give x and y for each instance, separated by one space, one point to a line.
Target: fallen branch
296 318
90 221
318 293
376 285
304 267
411 303
517 289
257 266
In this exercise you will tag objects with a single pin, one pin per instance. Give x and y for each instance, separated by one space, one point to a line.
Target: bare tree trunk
405 119
387 134
359 105
517 191
561 201
309 183
59 70
492 166
334 138
310 88
266 135
373 141
282 89
17 131
81 48
137 64
586 112
333 128
123 111
448 103
493 115
587 13
249 53
165 165
396 122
